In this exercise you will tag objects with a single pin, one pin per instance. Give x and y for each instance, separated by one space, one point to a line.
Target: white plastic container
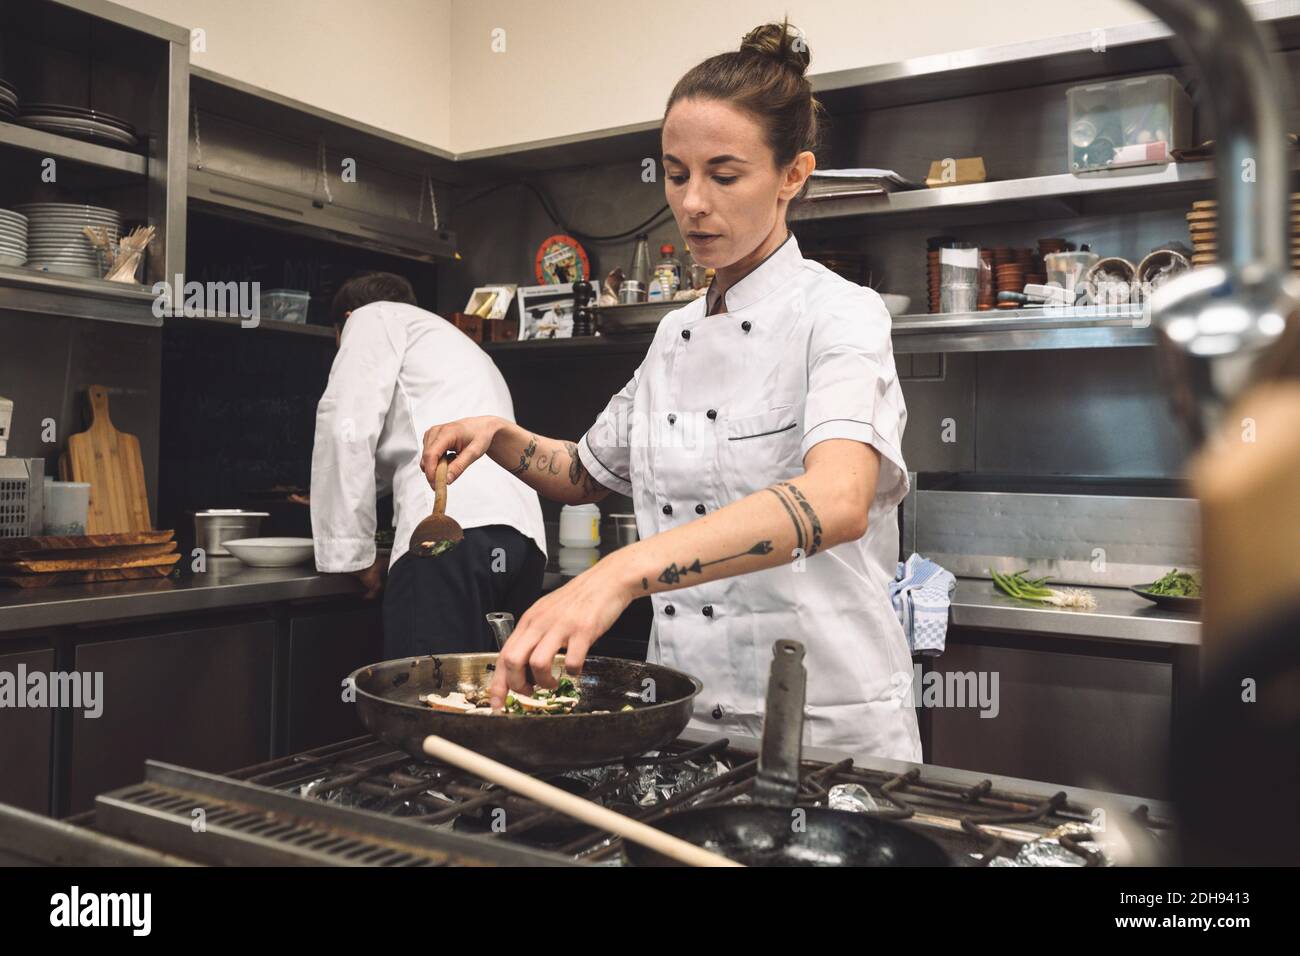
576 560
67 504
1132 122
580 526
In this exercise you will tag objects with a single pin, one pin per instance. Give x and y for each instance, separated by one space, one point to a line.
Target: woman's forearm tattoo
807 526
675 572
578 474
526 458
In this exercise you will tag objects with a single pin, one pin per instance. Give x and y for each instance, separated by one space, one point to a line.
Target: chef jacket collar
773 272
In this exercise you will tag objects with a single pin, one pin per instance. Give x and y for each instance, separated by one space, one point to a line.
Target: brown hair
366 288
765 77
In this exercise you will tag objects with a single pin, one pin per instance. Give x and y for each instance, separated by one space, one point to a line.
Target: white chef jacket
726 405
399 371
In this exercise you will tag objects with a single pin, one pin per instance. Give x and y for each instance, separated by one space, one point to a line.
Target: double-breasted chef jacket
725 405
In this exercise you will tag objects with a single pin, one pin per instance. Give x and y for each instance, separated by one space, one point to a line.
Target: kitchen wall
588 66
440 72
383 62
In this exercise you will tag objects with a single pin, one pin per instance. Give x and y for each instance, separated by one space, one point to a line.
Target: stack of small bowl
1008 273
13 238
56 242
1203 225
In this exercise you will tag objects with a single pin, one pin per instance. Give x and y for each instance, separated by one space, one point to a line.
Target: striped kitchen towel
920 594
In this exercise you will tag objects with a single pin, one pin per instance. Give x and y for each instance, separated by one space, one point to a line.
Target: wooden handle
440 488
98 396
567 803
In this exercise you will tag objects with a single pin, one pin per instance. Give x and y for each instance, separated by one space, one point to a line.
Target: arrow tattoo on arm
675 572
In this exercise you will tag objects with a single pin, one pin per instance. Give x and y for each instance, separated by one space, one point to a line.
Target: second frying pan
773 831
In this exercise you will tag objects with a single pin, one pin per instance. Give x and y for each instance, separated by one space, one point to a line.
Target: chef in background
399 370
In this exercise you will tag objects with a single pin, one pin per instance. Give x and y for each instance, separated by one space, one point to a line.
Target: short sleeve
853 388
604 450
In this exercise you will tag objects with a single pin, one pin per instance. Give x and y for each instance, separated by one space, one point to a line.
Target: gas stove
360 802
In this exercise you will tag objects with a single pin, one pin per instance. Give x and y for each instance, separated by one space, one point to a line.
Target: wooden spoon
593 814
438 533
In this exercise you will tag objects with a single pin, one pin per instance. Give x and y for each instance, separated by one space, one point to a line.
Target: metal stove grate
976 822
217 820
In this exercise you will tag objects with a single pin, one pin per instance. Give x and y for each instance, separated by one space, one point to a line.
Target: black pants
437 605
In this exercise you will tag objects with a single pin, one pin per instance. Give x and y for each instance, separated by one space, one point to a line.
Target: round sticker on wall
561 259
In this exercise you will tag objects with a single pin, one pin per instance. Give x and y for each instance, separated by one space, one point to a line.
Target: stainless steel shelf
26 290
1017 330
1045 191
65 147
267 325
1006 330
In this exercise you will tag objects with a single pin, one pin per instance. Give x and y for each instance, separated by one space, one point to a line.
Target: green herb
1026 589
1177 584
431 549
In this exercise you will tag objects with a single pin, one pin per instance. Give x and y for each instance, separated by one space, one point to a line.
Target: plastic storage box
285 305
1132 122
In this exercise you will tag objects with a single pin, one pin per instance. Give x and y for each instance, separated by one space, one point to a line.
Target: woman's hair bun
780 41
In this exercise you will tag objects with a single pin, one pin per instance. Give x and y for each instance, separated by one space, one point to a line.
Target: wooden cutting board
84 577
83 542
107 556
110 460
146 556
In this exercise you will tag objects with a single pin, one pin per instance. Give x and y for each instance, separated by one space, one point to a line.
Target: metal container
624 529
217 525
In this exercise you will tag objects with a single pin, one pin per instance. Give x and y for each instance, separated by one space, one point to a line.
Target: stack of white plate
8 102
93 125
13 238
55 241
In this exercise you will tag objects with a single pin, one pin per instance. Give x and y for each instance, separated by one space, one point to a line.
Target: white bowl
271 552
896 304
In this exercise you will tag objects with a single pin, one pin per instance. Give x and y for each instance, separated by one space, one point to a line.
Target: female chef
759 441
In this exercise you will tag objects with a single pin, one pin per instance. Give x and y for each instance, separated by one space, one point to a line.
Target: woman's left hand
572 617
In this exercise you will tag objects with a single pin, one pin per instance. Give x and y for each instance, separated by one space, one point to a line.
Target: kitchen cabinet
26 738
1086 718
324 647
198 695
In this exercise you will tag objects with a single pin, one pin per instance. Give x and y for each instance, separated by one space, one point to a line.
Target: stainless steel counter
227 583
1120 615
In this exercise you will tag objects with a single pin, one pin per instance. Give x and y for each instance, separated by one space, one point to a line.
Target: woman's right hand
469 438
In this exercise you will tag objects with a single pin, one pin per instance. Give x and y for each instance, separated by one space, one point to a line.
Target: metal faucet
1216 322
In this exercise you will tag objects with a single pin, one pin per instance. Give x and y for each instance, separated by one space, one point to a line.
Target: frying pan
387 697
772 831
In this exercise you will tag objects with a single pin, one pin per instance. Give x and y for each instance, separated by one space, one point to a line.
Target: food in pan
1018 586
562 700
431 549
1177 584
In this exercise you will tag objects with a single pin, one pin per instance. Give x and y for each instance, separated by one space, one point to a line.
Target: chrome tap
1215 323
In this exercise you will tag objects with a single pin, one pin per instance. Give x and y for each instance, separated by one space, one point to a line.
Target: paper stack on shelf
838 183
